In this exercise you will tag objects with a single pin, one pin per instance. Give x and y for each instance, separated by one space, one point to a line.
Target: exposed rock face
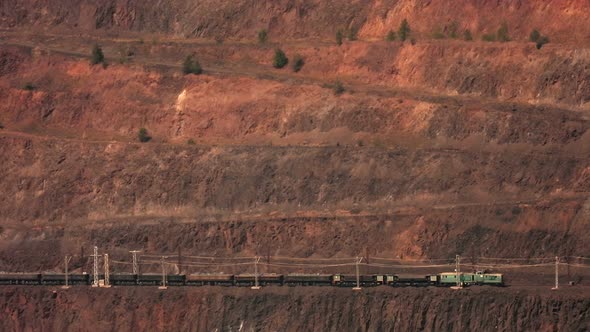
304 18
290 309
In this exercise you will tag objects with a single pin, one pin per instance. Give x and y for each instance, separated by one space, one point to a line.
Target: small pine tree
542 41
143 136
97 55
262 36
352 34
29 86
280 59
467 35
191 66
488 37
339 37
453 29
404 30
298 63
390 36
503 33
338 88
535 35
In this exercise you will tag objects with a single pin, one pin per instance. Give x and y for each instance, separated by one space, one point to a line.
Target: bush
535 35
542 41
467 35
453 29
190 142
280 60
29 86
438 34
352 34
143 135
97 55
488 37
503 33
1 125
390 36
262 36
191 66
339 37
404 30
298 63
338 88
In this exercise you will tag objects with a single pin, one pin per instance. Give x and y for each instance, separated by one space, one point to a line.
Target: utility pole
135 264
95 270
358 277
163 274
107 282
256 260
66 261
556 273
458 272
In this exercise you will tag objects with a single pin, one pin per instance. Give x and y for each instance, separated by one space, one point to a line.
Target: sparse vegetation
438 34
538 39
280 59
503 33
298 63
262 36
390 36
413 41
1 125
535 35
190 142
143 135
352 34
542 41
97 55
489 37
338 88
28 86
191 66
467 35
453 30
219 39
404 30
339 37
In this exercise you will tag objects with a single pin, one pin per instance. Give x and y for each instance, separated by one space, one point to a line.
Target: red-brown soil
435 148
292 309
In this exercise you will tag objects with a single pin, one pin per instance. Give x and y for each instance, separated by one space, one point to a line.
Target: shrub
535 35
438 34
1 125
488 37
404 30
503 33
390 36
143 135
262 36
280 60
190 142
338 88
413 41
352 34
29 86
453 29
467 35
339 37
542 41
97 55
298 63
191 66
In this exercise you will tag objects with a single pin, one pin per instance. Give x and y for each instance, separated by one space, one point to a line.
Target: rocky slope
304 18
284 309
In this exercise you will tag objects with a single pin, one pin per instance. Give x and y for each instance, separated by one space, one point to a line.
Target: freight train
264 279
